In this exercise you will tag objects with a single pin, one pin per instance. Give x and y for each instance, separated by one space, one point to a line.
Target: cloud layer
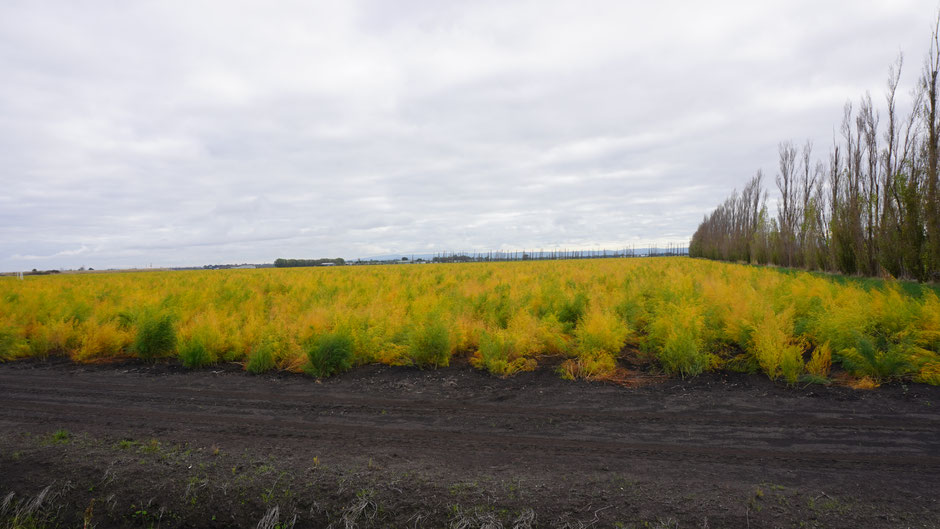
134 133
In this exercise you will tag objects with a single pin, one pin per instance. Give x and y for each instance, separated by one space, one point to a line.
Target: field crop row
683 316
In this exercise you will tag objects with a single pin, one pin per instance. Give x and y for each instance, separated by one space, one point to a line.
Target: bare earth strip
387 446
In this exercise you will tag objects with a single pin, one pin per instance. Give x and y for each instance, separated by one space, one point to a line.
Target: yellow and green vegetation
681 316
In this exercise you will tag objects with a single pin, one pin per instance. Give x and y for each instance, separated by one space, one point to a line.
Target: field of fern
679 316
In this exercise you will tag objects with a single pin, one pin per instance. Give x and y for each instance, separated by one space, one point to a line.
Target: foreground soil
135 445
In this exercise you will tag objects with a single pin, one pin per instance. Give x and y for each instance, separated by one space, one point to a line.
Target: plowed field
384 446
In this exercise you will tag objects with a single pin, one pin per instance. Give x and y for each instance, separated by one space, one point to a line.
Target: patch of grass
126 444
430 344
911 288
194 353
572 310
261 359
156 335
60 436
9 345
878 361
151 447
330 354
810 378
36 512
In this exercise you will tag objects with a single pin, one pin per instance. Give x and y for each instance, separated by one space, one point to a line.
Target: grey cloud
173 133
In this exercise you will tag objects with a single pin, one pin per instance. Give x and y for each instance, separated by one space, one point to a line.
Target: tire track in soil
256 412
171 396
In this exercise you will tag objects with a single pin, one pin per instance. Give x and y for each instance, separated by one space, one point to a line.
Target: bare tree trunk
868 128
805 214
932 210
836 209
786 212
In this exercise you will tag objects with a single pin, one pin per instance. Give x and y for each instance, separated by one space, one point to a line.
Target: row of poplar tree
870 208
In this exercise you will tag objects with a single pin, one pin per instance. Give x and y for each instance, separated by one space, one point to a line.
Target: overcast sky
188 133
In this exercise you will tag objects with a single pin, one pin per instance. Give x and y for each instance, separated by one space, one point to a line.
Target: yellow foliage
865 382
929 373
777 352
928 326
821 361
600 333
676 334
102 342
591 368
686 315
501 355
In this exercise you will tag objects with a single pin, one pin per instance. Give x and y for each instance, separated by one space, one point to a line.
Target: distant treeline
555 255
289 263
871 207
34 272
45 272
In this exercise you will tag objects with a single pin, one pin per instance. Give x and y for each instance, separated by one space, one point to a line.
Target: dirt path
456 445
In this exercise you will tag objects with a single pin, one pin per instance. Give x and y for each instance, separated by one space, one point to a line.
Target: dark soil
137 445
